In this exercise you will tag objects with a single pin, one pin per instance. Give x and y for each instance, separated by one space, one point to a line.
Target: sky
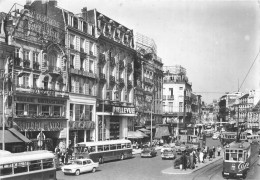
217 41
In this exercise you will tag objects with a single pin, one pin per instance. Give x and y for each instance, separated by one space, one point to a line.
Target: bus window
234 156
106 147
92 149
227 156
100 148
128 145
47 163
240 155
34 165
5 169
112 146
118 146
20 167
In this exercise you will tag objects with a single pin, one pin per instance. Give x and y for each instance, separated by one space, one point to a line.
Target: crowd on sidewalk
63 155
191 157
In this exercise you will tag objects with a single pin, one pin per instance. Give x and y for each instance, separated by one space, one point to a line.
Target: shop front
114 122
44 133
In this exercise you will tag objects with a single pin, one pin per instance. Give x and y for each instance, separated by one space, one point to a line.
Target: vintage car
148 152
169 154
216 135
165 146
79 166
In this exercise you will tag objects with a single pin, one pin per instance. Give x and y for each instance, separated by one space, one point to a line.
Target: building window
75 22
26 55
45 82
180 106
57 111
16 53
72 41
82 64
82 42
72 56
170 107
171 91
45 109
20 108
35 57
35 79
180 88
26 80
85 29
91 66
32 109
91 48
71 111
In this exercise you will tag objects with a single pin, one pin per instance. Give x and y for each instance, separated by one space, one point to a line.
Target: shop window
32 109
45 110
56 110
20 108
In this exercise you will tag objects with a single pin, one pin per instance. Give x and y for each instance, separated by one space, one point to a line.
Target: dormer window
75 22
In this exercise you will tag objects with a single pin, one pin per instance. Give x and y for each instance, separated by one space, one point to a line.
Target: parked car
79 166
169 154
148 152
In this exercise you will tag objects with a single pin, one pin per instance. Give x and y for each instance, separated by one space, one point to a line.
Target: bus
36 165
238 158
102 151
253 138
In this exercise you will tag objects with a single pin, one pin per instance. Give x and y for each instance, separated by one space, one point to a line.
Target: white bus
36 165
101 151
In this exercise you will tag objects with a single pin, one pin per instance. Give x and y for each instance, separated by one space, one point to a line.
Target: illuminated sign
123 110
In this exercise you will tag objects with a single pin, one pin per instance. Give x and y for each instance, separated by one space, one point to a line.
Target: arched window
45 82
52 58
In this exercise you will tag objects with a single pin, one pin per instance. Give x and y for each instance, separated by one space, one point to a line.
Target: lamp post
3 135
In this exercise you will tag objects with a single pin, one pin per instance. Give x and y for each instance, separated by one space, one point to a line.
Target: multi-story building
40 79
81 50
176 98
115 110
148 82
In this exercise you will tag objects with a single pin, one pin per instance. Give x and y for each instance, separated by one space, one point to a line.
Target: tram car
229 137
238 158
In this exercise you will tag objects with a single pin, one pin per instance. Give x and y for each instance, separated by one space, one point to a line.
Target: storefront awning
9 137
19 135
135 135
161 131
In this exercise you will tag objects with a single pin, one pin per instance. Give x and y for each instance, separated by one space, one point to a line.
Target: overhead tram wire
250 69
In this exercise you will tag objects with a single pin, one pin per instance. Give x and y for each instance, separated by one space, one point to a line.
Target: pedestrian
194 157
62 156
210 154
214 151
219 150
201 157
66 156
184 160
192 160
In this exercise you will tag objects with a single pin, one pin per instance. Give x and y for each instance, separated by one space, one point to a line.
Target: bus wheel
77 172
122 157
100 160
94 170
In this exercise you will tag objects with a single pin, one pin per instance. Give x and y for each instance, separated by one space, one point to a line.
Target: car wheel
65 173
122 157
77 172
94 170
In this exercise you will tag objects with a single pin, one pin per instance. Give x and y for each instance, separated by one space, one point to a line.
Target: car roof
82 159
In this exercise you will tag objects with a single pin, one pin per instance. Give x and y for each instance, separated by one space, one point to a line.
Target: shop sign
81 125
123 110
50 101
39 125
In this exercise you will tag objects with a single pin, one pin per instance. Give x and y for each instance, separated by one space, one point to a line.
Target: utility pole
238 123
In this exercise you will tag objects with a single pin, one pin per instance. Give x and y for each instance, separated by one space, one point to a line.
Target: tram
229 137
238 158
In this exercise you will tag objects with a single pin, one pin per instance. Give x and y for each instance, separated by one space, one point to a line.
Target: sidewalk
171 170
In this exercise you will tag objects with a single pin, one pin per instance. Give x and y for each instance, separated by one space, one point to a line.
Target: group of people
63 155
190 158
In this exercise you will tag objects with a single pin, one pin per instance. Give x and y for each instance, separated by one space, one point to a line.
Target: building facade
115 110
177 100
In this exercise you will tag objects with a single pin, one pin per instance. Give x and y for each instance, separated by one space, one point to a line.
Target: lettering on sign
243 166
38 125
123 110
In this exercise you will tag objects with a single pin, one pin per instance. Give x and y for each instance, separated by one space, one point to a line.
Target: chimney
84 12
53 3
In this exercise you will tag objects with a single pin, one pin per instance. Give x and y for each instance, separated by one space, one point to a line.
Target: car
169 154
79 166
215 136
166 146
148 152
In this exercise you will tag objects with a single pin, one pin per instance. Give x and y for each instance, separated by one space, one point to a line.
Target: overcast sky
216 41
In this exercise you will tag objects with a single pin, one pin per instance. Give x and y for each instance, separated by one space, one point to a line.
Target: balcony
112 80
112 62
121 65
54 70
36 66
102 59
102 77
26 63
129 84
129 68
169 97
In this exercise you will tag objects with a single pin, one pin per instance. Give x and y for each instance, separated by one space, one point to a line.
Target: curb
171 170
